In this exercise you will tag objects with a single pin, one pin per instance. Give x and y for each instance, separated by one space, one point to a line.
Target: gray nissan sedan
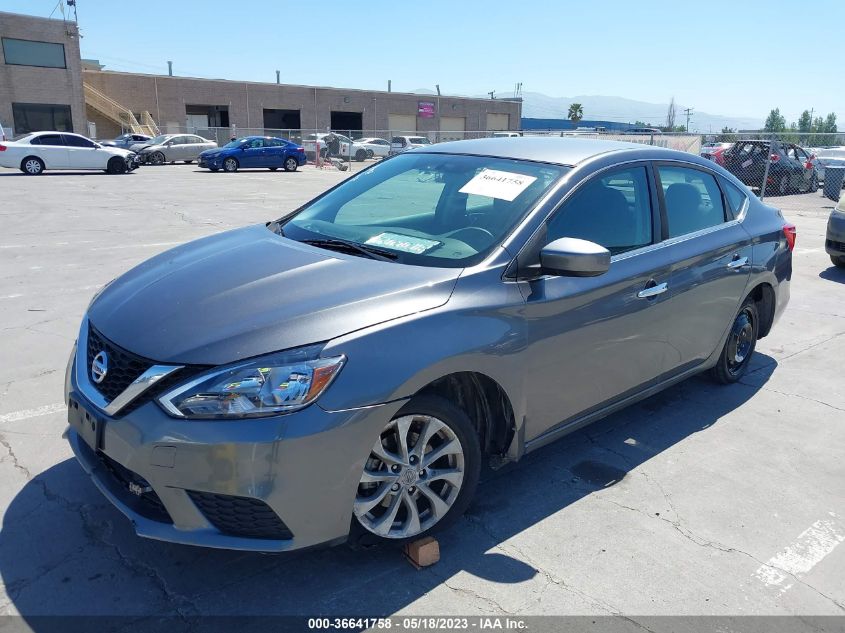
339 374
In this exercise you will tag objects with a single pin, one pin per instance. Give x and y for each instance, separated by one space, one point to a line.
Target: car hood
249 292
117 151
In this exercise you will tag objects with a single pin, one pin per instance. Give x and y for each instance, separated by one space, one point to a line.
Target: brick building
45 85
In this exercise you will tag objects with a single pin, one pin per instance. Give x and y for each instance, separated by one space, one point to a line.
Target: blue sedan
254 151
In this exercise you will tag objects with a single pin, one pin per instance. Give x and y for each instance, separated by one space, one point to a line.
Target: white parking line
797 559
17 416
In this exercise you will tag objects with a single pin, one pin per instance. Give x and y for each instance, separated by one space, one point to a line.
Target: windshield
158 140
428 209
232 144
419 140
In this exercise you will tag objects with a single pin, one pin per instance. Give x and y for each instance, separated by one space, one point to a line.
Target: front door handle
739 262
653 291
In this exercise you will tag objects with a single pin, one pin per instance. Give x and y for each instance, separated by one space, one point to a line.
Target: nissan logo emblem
100 367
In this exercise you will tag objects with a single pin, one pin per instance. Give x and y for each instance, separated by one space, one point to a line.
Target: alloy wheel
291 164
411 479
157 158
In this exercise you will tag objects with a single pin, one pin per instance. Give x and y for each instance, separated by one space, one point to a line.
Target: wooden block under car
423 553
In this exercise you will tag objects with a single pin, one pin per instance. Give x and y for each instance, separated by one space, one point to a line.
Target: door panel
706 285
52 150
593 340
711 256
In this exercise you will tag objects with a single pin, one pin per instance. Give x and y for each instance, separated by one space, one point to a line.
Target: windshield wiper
353 248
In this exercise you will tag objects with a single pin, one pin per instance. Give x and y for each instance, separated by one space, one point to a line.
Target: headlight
278 383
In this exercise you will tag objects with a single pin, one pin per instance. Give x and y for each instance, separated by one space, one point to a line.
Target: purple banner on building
426 109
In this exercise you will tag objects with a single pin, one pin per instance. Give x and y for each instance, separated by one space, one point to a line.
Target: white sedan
374 146
36 152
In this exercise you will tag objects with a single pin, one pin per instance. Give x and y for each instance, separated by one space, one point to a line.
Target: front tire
361 155
740 345
230 165
838 260
32 166
156 158
116 166
291 164
420 476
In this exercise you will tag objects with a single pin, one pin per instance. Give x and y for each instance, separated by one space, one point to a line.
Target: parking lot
701 500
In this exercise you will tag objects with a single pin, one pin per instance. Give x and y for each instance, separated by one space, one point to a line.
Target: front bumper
159 471
210 162
834 242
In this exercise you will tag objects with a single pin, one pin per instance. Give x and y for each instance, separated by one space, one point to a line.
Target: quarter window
32 53
613 210
693 199
736 198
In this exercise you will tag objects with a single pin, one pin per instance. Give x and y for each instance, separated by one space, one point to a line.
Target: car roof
560 150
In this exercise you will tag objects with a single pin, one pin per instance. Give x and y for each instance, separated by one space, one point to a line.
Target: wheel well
764 297
26 158
486 404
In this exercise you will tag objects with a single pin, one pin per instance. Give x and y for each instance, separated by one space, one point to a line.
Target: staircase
121 115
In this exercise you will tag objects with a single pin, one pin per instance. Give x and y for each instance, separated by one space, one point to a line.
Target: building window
38 117
30 53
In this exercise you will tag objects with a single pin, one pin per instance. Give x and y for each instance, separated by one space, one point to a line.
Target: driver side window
613 210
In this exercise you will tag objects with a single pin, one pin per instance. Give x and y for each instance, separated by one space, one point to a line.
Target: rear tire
188 162
838 260
424 496
274 169
230 165
814 184
783 185
291 164
32 166
361 155
739 347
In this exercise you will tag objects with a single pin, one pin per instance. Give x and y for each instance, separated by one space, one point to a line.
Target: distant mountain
541 106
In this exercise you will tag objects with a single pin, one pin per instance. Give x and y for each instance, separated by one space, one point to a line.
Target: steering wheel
473 241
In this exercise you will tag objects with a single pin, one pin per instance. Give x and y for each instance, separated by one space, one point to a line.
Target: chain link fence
769 163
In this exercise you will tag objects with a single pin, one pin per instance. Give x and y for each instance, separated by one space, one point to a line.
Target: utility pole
492 94
689 112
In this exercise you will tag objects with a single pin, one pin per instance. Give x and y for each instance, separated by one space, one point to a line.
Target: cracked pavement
668 507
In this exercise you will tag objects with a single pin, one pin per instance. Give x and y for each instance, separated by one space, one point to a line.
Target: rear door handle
653 291
739 262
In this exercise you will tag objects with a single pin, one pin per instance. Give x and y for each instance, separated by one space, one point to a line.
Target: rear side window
693 199
613 210
77 141
736 198
47 139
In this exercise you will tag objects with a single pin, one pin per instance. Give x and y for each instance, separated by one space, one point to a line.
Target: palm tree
576 112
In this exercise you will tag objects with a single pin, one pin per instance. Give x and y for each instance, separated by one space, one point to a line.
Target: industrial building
44 84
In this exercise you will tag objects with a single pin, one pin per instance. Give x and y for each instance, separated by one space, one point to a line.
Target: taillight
808 165
2 148
300 149
790 234
775 158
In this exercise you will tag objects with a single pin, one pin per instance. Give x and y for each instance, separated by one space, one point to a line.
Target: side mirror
571 257
96 146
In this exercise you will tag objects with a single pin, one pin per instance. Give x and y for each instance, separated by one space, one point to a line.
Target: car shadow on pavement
833 273
64 550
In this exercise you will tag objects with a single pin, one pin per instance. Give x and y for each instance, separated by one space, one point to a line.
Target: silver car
463 301
170 148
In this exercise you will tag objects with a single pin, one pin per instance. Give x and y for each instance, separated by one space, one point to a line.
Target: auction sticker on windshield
404 243
504 185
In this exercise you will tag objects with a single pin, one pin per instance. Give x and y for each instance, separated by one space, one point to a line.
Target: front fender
480 329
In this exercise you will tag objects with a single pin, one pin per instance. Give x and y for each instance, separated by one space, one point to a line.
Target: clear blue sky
737 57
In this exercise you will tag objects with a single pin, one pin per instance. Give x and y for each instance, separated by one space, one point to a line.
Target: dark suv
791 169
